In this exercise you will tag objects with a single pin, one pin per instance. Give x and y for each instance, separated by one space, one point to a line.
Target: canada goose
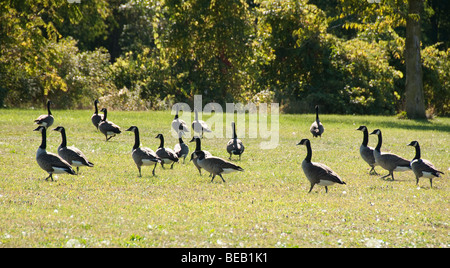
366 151
199 126
235 145
71 154
167 155
108 127
423 167
317 128
45 120
96 118
198 147
390 162
181 148
179 124
50 162
318 173
142 156
216 165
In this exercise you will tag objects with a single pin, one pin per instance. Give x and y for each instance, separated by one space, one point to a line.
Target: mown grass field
265 206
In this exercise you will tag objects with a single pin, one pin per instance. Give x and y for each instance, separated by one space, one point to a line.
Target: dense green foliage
134 54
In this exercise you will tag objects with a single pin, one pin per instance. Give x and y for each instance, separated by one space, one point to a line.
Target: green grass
265 206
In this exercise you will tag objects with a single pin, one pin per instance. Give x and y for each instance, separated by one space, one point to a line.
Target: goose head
39 128
303 142
59 129
362 128
376 132
413 143
132 128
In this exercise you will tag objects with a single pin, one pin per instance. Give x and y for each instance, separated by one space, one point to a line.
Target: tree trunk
415 104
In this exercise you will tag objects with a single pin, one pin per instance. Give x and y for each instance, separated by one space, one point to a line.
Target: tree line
349 56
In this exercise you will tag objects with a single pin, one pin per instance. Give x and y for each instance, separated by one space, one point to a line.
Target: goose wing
237 148
108 126
423 165
51 162
176 125
323 172
44 120
199 125
218 165
166 153
71 154
181 149
96 118
391 161
316 128
146 153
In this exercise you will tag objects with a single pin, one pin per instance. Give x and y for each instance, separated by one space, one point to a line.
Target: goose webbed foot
373 172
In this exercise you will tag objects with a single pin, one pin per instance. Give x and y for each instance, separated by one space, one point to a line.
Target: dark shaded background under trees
345 55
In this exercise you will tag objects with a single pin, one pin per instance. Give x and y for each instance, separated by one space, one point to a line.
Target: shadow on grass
410 124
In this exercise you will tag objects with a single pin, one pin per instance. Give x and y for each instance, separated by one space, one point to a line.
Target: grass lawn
267 205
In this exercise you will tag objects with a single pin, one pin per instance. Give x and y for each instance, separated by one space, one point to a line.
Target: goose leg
431 183
310 189
171 166
385 176
221 177
78 170
372 171
140 175
213 178
326 189
50 176
153 172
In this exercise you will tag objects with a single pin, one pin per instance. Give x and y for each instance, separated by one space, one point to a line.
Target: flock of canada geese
316 173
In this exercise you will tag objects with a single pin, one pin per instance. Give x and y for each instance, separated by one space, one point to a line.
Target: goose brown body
318 173
235 145
216 165
422 167
142 156
50 162
199 126
366 151
194 157
96 118
107 127
317 128
167 155
46 120
388 161
71 154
